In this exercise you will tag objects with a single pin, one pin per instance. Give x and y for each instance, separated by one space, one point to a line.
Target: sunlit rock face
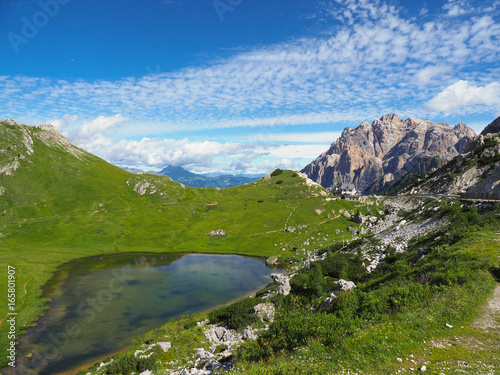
374 156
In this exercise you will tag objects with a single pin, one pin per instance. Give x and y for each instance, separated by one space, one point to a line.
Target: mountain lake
99 304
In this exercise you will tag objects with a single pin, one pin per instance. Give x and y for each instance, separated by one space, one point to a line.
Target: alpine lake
99 304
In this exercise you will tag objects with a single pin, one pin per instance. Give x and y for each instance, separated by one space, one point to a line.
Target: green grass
399 311
58 206
396 312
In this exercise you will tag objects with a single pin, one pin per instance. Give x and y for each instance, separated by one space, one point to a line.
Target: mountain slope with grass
417 291
429 307
59 202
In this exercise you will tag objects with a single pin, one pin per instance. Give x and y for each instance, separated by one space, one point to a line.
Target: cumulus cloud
92 135
463 94
63 122
96 137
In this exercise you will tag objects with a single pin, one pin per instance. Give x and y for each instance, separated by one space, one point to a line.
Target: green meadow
61 203
409 313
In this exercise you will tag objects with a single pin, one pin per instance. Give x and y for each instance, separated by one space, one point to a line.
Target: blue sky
242 86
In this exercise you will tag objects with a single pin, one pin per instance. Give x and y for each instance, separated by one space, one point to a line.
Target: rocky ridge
15 151
374 156
475 174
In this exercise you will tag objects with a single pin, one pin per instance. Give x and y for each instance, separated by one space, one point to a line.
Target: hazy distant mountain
185 177
374 156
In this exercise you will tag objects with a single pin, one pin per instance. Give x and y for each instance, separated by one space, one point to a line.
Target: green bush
309 283
344 266
276 172
279 182
128 363
236 316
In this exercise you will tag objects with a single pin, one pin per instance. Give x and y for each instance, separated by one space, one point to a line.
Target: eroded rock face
386 150
489 188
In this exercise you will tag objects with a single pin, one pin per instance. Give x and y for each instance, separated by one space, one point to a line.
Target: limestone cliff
374 156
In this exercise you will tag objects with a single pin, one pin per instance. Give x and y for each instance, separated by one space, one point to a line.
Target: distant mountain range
179 174
185 177
375 156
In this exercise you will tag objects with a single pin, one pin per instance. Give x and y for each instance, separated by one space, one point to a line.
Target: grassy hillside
412 311
59 203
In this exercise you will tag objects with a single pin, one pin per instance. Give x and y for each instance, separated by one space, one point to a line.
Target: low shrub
237 315
129 363
276 172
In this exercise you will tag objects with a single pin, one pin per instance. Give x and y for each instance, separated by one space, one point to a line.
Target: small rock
272 260
218 232
399 359
449 325
284 288
165 345
423 368
343 285
212 364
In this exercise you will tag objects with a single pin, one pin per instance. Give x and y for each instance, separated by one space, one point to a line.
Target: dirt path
488 321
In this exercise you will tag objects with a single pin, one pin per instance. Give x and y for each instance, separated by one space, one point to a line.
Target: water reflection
99 304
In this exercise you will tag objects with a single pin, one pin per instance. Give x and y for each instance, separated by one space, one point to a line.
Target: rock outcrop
492 128
380 153
283 281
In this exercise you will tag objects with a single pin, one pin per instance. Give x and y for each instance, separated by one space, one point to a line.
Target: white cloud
424 76
324 138
456 8
463 94
240 157
61 124
358 71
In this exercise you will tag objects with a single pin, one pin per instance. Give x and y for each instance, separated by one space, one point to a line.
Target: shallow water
100 304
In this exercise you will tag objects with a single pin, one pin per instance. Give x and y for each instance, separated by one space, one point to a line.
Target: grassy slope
399 311
57 206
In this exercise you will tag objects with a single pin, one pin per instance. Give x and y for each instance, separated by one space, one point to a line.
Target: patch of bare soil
488 321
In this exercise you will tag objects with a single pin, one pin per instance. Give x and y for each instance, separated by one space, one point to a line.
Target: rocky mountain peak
383 151
391 117
48 127
10 121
